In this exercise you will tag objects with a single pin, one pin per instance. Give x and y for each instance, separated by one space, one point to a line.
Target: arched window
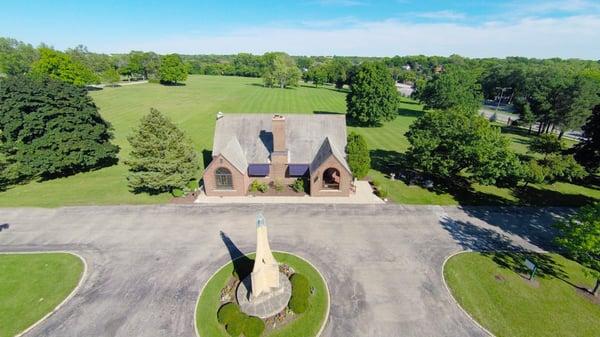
331 179
223 179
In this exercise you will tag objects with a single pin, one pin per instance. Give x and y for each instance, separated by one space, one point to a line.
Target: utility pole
502 89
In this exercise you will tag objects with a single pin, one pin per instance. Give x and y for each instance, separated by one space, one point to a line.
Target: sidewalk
364 195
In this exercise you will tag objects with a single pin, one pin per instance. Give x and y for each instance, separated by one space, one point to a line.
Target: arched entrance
331 179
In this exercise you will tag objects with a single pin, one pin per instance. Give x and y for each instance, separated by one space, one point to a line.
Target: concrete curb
325 320
452 296
71 294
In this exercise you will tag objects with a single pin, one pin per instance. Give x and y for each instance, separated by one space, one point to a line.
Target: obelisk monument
265 274
266 291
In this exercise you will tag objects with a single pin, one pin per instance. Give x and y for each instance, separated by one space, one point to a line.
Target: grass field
305 325
194 106
492 288
32 285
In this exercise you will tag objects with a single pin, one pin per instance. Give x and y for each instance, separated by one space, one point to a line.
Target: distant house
277 148
405 89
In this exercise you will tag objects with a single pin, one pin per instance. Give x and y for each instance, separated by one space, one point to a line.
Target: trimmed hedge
177 192
237 322
253 327
300 293
228 312
193 185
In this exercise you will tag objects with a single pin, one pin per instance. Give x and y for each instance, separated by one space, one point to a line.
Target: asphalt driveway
383 263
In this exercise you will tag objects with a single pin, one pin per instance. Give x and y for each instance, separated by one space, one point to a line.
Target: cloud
540 8
342 3
441 15
567 37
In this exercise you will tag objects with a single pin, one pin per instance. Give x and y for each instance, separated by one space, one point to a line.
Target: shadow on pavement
242 265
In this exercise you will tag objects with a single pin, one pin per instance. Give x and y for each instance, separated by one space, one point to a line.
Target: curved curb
63 302
325 319
452 296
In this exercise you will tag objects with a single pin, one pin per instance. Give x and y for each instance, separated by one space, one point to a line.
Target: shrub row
257 186
237 322
300 293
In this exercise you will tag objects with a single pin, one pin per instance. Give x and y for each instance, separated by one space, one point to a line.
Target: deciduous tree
280 70
52 128
60 66
579 236
453 88
449 143
172 69
373 97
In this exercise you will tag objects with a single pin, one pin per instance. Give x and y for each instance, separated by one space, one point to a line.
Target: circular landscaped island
218 311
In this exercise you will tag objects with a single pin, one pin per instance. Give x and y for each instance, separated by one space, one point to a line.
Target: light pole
502 89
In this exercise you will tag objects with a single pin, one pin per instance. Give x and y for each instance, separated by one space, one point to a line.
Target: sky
476 28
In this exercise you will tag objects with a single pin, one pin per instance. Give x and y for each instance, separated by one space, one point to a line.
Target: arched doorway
223 179
331 179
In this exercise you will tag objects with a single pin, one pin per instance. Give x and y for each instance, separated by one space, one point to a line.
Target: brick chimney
279 133
279 157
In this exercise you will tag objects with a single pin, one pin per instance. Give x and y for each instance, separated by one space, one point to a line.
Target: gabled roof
304 134
327 150
235 155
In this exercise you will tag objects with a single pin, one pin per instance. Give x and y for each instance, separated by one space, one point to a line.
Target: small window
223 178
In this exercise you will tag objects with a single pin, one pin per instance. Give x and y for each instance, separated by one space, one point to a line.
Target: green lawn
32 285
491 288
194 106
305 325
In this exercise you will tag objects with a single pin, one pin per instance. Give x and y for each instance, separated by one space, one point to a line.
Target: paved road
382 263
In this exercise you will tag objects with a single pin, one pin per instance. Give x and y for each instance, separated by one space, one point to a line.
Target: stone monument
266 291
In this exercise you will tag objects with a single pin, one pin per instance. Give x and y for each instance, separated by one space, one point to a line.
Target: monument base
265 305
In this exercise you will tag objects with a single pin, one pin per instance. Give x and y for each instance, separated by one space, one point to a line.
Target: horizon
534 29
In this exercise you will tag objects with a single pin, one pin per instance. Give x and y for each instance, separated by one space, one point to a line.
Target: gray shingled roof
234 153
305 135
327 149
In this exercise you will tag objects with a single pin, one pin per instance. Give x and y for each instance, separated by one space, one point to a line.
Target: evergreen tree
358 155
172 69
52 128
588 151
162 157
373 97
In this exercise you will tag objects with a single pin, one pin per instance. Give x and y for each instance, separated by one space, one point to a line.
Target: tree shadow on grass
410 112
317 112
386 161
242 265
530 195
463 192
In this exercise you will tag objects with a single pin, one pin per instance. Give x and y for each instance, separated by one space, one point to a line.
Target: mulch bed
188 199
286 191
228 294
